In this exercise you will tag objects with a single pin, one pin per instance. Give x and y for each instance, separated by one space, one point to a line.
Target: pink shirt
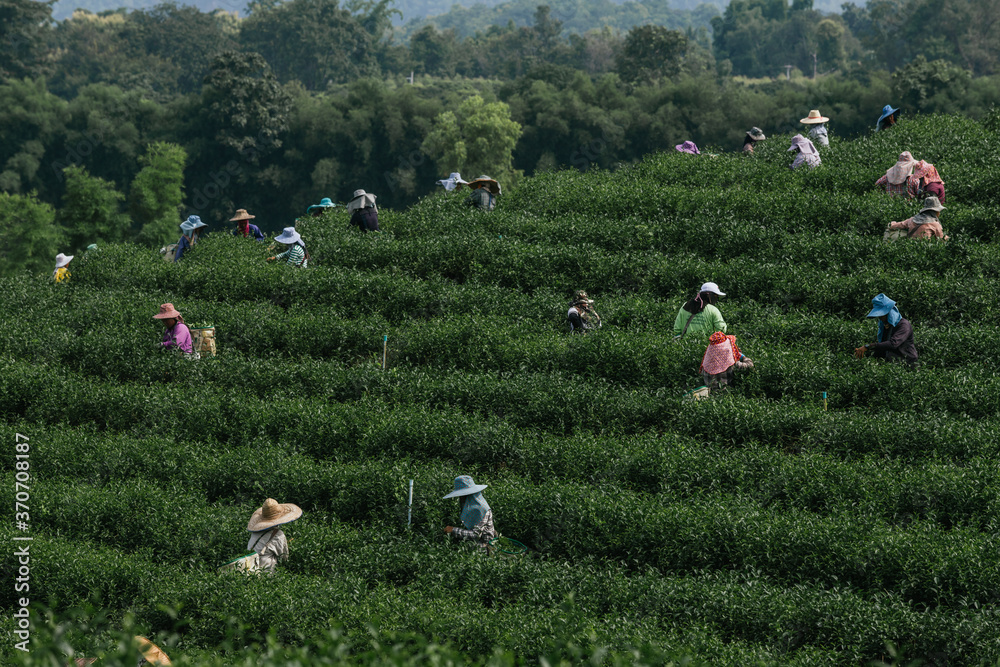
925 231
178 336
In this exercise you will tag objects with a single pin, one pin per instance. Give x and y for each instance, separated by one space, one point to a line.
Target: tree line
127 121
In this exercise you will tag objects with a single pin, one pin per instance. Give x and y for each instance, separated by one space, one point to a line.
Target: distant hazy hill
577 16
411 9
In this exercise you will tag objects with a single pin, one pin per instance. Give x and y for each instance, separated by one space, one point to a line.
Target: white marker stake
409 511
385 346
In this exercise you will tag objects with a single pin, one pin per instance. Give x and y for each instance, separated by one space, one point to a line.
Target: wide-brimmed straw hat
713 288
756 134
167 311
151 652
485 181
241 214
688 147
325 202
813 118
361 199
932 204
288 236
271 514
464 486
62 260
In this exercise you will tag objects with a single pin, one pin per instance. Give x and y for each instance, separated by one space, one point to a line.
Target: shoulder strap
687 324
257 541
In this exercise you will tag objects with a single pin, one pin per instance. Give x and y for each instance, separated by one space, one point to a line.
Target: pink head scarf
927 171
722 353
899 172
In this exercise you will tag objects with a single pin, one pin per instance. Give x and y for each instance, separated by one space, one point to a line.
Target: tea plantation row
756 528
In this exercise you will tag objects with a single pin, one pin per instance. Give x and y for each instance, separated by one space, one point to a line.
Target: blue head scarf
883 305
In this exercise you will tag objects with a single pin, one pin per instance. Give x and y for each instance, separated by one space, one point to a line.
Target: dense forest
115 125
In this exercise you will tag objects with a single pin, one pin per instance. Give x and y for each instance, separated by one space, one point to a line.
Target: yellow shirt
61 275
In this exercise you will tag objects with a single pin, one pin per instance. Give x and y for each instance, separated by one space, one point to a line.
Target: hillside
753 528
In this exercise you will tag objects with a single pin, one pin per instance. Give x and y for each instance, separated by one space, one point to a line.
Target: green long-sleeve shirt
705 323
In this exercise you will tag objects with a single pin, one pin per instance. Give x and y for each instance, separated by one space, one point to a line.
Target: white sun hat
713 288
288 236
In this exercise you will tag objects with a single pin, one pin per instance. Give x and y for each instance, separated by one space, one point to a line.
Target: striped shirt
296 256
897 189
482 532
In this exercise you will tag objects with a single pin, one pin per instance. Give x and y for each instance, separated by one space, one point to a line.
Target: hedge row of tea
758 527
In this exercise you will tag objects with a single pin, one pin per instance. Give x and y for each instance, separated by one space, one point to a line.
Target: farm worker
896 179
806 153
296 254
243 226
895 334
754 134
316 210
190 233
265 537
61 273
688 147
582 316
818 131
699 316
887 119
364 212
151 653
926 182
453 181
925 224
477 517
176 336
722 357
485 191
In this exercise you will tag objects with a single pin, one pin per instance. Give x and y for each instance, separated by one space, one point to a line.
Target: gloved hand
859 352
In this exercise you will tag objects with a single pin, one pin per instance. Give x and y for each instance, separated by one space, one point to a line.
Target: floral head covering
722 352
899 172
926 171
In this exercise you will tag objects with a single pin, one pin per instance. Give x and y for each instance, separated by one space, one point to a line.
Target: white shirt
271 548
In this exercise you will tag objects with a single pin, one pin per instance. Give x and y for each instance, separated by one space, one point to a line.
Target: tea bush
753 528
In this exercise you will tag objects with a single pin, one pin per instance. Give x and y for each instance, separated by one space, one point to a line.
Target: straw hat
932 204
288 236
813 118
756 134
361 199
325 202
151 652
713 288
464 486
688 147
485 181
241 214
62 260
271 514
167 311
